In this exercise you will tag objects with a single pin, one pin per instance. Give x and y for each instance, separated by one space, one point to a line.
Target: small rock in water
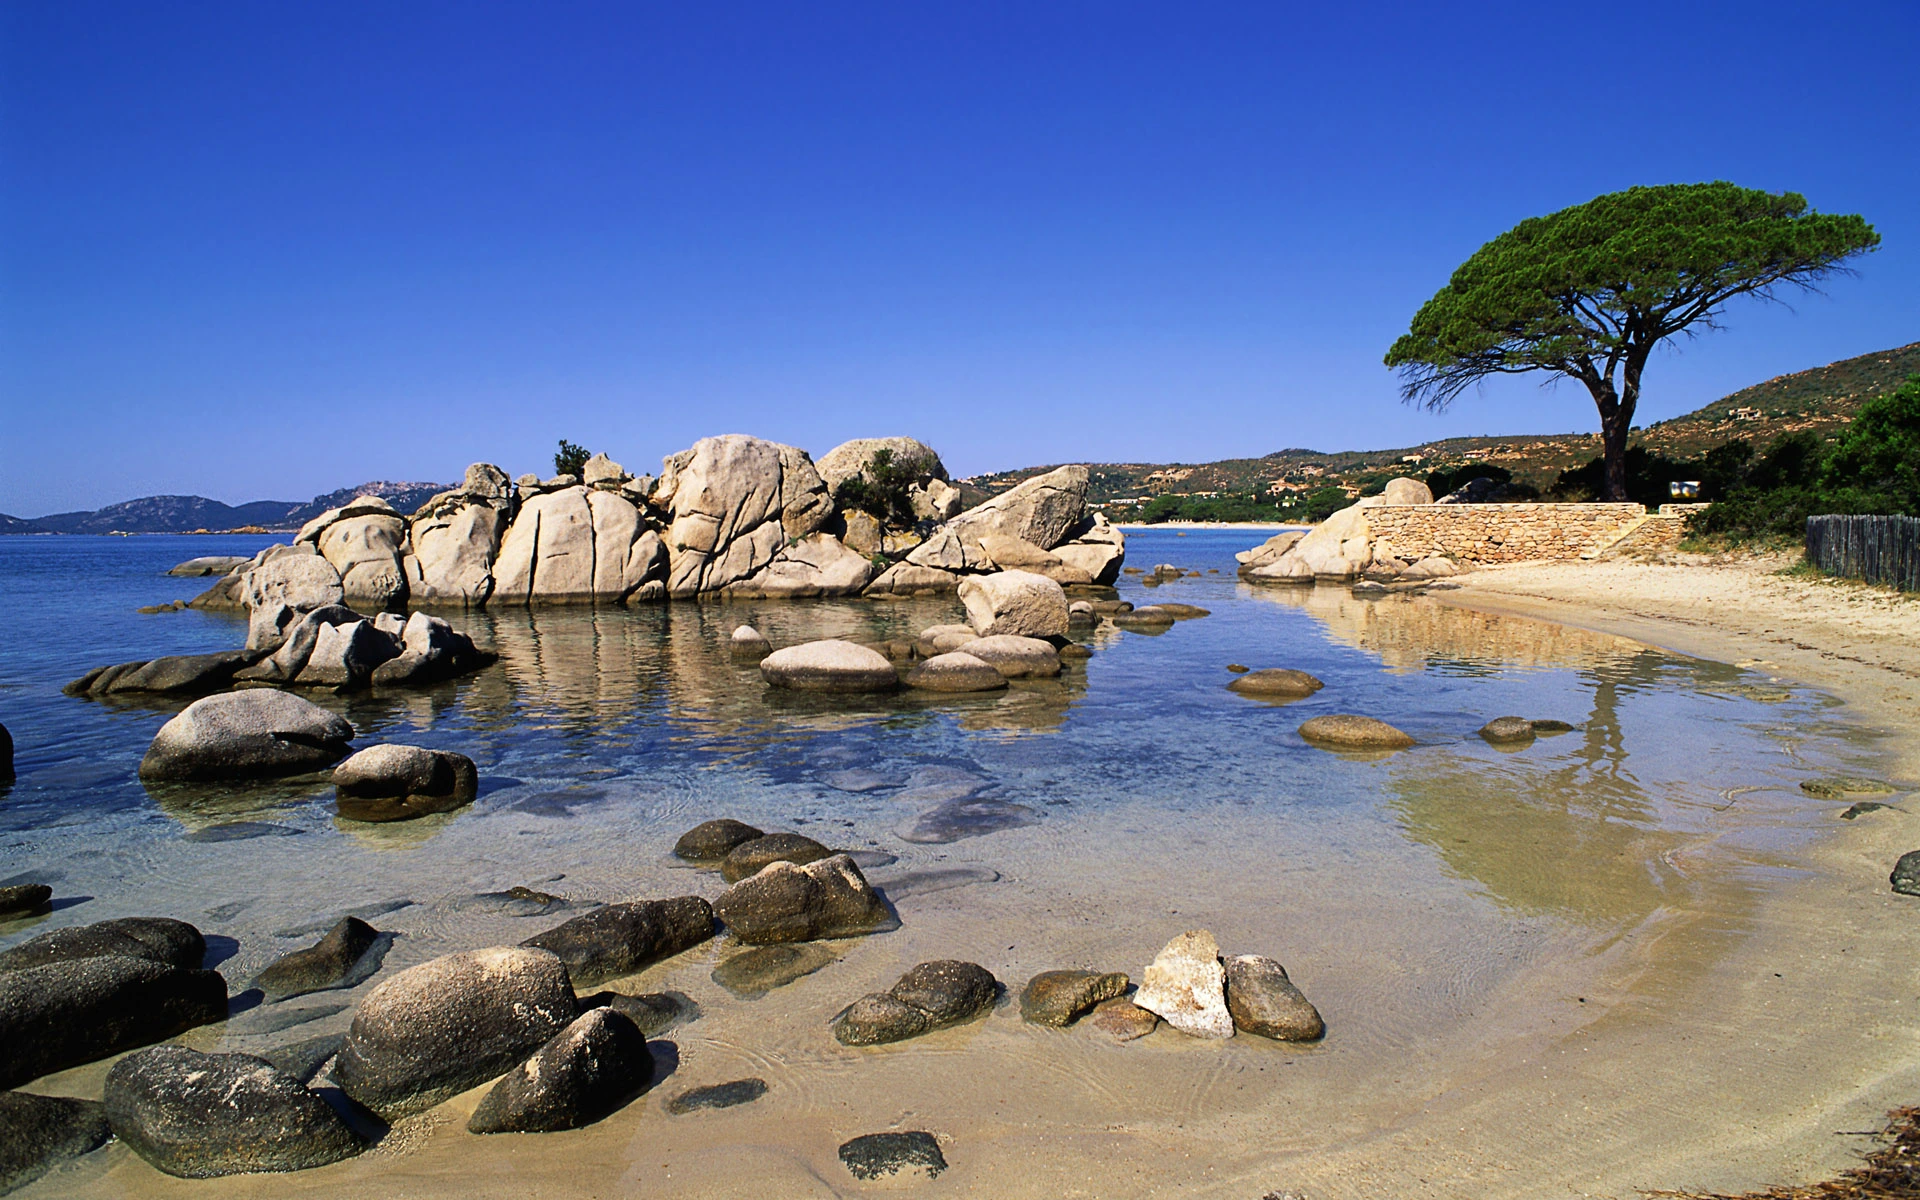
653 1012
25 900
259 733
1275 683
1122 1020
517 902
1507 729
1186 986
748 858
829 666
1057 997
1860 807
1184 612
1833 787
1238 668
1262 1000
1075 652
931 996
753 973
202 1115
6 755
1551 726
303 1060
876 1154
714 840
620 939
718 1095
397 783
585 1073
748 644
335 961
1344 731
957 671
936 879
971 816
785 903
1906 874
38 1133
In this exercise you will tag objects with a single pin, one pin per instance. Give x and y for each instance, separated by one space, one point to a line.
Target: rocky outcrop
430 651
929 494
1095 547
435 1030
198 1116
365 542
254 734
455 538
395 783
1269 552
1042 510
281 587
584 1074
173 675
577 545
816 565
909 579
734 502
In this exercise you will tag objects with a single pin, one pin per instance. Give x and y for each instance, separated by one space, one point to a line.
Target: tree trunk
1614 428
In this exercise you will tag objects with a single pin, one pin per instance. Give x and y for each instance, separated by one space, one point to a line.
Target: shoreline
1136 527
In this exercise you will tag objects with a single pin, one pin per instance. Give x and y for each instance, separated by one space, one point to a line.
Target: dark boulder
331 962
748 857
1507 730
38 1133
6 755
619 939
158 939
931 996
25 900
435 1030
586 1072
653 1012
66 1013
200 1115
717 1095
396 783
1262 1000
785 903
753 973
1906 874
874 1155
714 840
172 675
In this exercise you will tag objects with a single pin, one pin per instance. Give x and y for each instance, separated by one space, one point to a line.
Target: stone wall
1498 533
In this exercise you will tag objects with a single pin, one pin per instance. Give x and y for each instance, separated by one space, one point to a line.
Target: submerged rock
435 1030
1833 787
653 1013
585 1073
748 644
1276 683
1186 987
1016 657
202 1115
1122 1020
1262 1000
331 962
873 1155
1346 731
956 671
787 903
749 857
717 1095
712 841
255 734
931 996
398 783
620 939
936 640
1057 997
965 817
1508 730
753 973
829 666
1906 874
38 1133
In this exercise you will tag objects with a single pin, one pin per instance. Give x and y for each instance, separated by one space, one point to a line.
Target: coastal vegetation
1589 291
570 459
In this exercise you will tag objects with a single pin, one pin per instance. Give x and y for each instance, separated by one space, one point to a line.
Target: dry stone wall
1498 533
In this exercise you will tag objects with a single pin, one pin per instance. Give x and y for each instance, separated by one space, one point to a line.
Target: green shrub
571 460
884 488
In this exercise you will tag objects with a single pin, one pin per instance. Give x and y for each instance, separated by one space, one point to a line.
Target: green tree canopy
1589 291
571 459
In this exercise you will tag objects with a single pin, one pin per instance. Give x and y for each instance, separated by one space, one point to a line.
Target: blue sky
255 250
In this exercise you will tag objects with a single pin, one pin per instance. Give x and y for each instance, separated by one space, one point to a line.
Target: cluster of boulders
1351 731
1342 549
731 515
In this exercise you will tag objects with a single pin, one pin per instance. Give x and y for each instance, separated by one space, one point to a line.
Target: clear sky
257 250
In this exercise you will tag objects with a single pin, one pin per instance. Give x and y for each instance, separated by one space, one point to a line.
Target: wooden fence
1876 549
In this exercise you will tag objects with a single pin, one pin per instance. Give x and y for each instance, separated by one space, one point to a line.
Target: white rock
848 459
1015 657
603 472
735 502
1017 602
816 565
829 666
1041 510
1407 491
366 549
1434 566
1186 987
283 587
907 579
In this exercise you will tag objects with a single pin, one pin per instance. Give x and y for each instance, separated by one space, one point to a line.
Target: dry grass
1891 1172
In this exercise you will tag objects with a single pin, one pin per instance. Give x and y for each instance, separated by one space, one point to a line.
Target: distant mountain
190 514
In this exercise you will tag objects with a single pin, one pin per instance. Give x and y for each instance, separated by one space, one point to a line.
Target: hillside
1823 399
197 514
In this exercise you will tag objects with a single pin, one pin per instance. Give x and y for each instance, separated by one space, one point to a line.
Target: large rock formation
1337 549
1043 510
577 545
735 502
456 538
365 542
282 586
254 734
